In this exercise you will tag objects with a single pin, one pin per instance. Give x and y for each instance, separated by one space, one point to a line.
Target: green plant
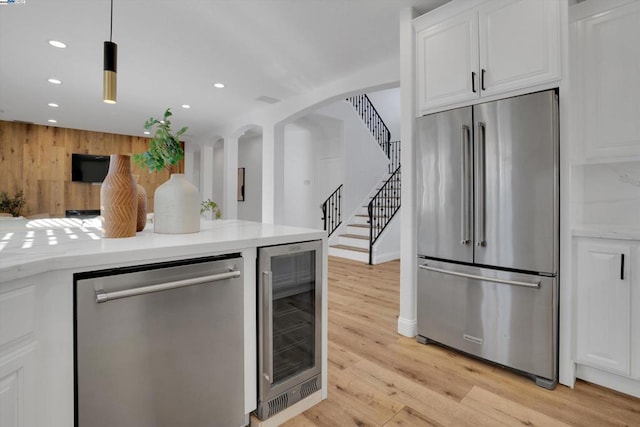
12 205
210 205
164 147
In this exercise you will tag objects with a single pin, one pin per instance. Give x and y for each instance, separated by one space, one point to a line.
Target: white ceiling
170 52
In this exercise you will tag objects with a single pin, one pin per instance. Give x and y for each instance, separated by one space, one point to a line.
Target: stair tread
351 248
363 226
355 236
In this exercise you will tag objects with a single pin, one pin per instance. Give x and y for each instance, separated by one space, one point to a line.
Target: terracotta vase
141 220
142 208
176 206
119 199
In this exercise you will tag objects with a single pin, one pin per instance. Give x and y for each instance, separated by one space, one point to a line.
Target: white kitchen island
37 262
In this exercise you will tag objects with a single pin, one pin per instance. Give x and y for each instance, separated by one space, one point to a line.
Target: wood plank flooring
379 378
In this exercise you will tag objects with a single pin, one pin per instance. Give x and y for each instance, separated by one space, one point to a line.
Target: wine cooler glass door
290 315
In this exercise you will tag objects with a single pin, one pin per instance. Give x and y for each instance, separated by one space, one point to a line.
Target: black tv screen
88 167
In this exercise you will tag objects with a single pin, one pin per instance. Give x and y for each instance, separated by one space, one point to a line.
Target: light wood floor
379 378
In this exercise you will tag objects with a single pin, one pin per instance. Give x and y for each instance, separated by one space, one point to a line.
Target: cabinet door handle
473 81
621 266
482 79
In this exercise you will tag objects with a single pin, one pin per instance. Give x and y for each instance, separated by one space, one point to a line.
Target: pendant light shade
109 86
109 83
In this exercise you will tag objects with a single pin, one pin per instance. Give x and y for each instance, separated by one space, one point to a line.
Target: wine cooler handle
267 321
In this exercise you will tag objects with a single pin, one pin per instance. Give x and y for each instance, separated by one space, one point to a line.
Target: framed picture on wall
241 184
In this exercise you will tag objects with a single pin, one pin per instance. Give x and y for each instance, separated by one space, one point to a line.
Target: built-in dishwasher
160 345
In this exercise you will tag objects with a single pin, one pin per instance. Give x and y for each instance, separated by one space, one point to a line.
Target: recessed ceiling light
186 106
218 85
55 81
53 104
146 132
52 121
56 43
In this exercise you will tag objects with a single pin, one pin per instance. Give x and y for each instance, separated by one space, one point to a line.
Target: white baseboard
407 327
379 259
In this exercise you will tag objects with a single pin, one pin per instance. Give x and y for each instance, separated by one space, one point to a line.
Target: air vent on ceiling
267 99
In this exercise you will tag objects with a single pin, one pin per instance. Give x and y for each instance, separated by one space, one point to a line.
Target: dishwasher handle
102 296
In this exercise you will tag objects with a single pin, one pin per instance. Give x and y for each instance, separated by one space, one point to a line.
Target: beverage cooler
289 325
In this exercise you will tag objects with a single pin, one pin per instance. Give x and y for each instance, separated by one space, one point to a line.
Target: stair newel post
324 214
371 225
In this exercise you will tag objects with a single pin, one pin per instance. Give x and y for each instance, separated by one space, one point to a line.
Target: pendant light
110 67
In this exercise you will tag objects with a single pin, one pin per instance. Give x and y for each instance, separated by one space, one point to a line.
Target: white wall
299 177
387 103
387 246
607 194
407 319
250 158
313 167
218 174
364 162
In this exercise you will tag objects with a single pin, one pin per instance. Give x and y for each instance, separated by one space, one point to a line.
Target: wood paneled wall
37 160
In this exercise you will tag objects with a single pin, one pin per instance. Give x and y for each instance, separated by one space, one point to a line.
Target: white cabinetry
473 49
447 60
604 134
604 305
17 352
606 63
519 44
607 286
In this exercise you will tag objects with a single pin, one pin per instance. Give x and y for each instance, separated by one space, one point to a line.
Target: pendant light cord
111 22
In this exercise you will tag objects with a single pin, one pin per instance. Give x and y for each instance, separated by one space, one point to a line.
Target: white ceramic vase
176 207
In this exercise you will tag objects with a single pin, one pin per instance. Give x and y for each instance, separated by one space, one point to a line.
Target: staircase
356 239
355 242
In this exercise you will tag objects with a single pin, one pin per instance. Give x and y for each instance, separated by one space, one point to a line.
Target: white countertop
34 247
606 232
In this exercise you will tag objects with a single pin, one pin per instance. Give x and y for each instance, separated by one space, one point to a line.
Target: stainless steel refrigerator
488 240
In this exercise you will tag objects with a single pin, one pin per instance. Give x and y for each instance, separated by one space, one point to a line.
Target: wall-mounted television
89 167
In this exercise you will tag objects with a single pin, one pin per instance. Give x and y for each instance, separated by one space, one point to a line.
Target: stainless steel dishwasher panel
163 348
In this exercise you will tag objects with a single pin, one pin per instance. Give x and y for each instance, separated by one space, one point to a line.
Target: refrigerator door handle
466 185
267 319
480 185
535 285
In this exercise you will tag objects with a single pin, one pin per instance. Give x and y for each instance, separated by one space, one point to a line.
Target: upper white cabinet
447 60
472 49
519 44
606 74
